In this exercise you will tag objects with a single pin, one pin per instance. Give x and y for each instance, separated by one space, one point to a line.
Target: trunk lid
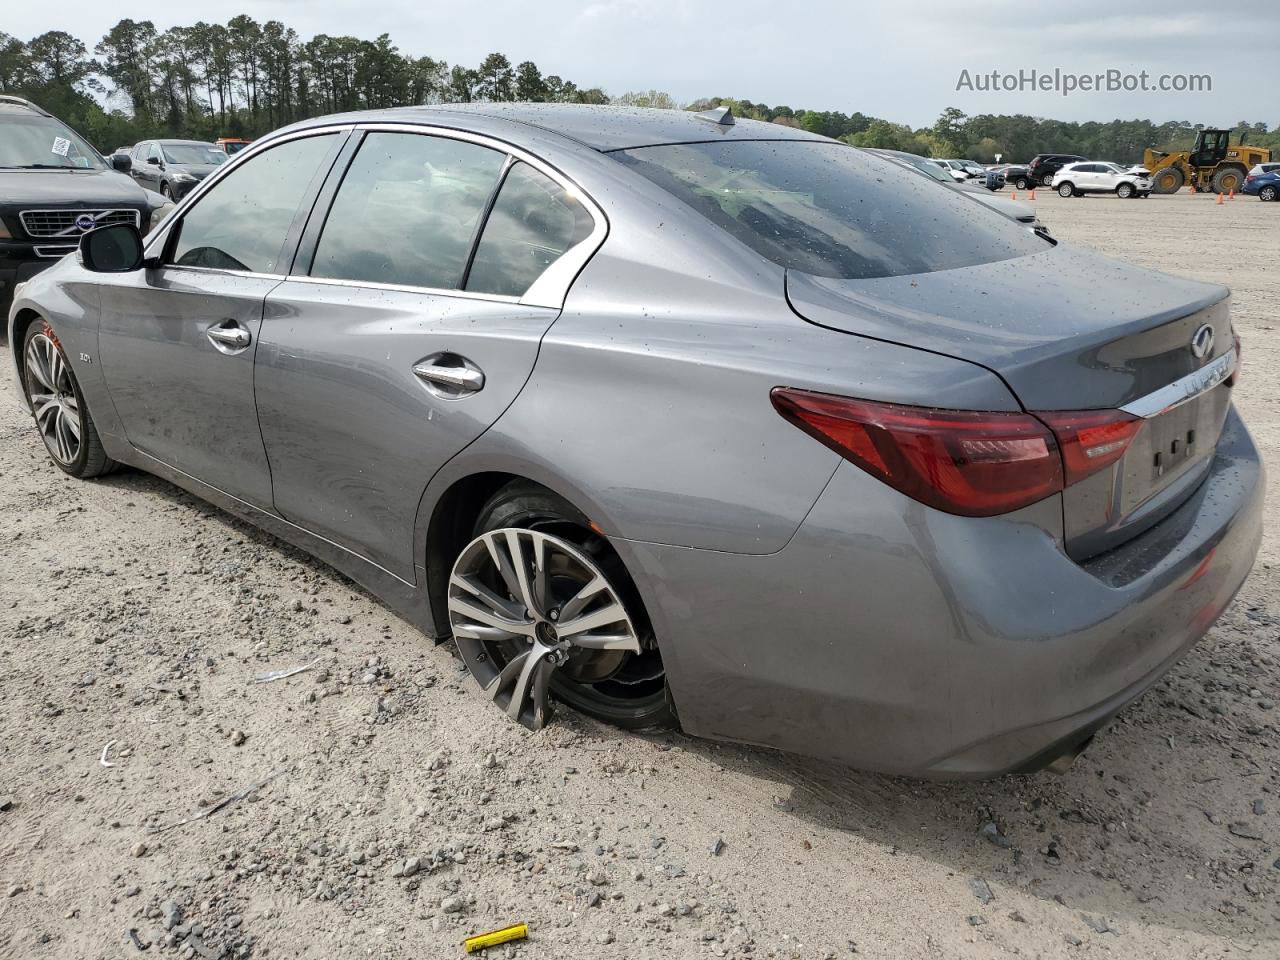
1069 330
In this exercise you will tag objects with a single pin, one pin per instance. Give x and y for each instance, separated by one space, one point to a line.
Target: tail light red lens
967 462
1090 439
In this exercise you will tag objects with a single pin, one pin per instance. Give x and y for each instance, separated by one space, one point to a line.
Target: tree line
245 78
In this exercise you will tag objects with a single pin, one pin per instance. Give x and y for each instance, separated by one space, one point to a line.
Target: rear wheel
1168 180
1022 183
1046 180
1228 180
1124 191
541 606
1066 190
58 406
1268 193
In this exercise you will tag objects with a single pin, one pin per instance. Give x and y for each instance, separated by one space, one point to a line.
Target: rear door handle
449 375
229 337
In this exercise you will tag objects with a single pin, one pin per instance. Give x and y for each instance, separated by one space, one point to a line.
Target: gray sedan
678 420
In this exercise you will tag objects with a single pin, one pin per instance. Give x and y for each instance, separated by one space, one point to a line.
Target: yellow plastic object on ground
505 935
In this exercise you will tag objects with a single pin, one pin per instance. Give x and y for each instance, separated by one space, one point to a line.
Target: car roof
175 143
599 127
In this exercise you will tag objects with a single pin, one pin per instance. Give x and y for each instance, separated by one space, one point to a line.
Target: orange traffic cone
1193 188
1219 199
1232 195
1032 196
1015 195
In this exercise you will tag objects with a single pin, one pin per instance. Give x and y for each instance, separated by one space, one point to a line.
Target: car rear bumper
893 637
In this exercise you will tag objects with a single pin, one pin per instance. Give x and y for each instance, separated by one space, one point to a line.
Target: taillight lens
966 462
1090 439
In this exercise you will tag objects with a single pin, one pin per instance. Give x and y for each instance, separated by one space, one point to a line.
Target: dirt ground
372 806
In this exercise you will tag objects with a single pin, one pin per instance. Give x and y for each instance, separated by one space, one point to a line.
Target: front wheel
1066 190
1124 191
58 406
1046 180
541 606
1022 183
165 192
1268 193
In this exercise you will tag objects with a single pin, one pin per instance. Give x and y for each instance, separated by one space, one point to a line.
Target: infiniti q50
680 420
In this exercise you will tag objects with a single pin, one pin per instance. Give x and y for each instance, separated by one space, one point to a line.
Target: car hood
69 188
200 170
1064 328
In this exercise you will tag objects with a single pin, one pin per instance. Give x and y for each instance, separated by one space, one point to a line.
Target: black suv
1044 165
53 187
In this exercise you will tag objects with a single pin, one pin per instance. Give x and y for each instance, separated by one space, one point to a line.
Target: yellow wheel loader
1211 164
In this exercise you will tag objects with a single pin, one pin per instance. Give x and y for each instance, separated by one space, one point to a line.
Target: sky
897 59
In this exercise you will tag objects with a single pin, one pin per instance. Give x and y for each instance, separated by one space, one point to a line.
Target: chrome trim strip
54 251
401 288
1184 388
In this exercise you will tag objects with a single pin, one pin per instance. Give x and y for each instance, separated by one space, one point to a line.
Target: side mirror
113 249
122 162
154 161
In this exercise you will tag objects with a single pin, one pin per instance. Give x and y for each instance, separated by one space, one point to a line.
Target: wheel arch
451 505
21 322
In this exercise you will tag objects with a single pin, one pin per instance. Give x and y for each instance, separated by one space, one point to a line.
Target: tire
1228 180
165 192
1168 180
1268 193
1046 180
58 406
1022 183
1124 191
626 689
1066 190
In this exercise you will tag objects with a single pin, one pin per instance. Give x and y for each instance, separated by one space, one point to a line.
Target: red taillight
965 462
968 462
1090 439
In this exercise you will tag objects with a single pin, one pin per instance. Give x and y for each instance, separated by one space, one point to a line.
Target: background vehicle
172 168
1015 173
833 444
1211 164
231 145
1044 165
53 187
1094 176
1015 210
1265 186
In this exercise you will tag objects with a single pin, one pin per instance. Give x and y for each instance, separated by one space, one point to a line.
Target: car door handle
449 375
228 336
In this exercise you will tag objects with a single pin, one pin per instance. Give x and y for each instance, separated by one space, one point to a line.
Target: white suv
1094 176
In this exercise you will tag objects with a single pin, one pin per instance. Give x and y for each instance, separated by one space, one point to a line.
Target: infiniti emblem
1202 342
86 222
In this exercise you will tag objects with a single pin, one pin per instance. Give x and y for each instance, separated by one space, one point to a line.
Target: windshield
192 153
33 142
829 209
233 148
929 168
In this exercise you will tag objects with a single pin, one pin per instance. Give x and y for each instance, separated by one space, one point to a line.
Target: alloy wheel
524 604
53 399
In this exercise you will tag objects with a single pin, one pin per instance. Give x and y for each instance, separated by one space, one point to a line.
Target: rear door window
407 211
533 222
829 209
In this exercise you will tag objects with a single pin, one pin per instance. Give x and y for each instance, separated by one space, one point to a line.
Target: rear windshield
35 142
831 210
